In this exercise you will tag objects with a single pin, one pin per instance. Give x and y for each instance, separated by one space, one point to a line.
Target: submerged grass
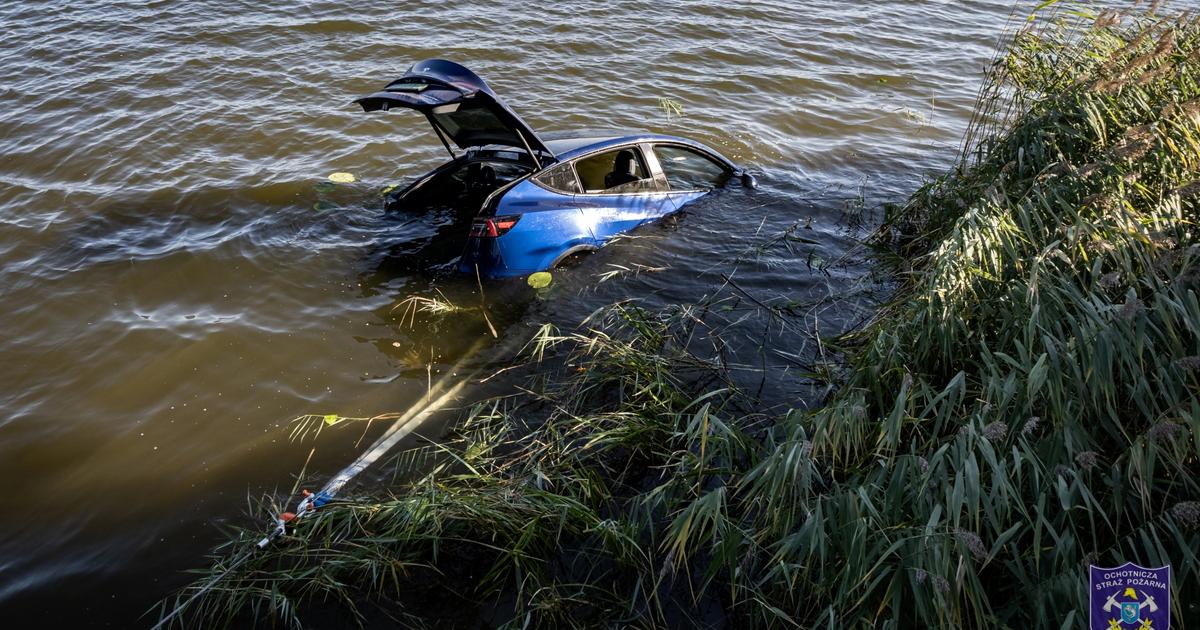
1025 405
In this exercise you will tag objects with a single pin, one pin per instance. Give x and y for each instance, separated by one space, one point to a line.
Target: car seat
625 170
480 177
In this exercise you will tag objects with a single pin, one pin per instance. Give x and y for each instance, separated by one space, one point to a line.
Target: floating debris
540 280
341 178
671 107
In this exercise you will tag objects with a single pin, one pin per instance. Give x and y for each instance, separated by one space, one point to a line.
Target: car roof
571 145
561 142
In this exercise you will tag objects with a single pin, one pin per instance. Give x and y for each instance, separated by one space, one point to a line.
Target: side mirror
748 180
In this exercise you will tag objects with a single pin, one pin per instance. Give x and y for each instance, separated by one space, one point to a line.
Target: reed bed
1024 406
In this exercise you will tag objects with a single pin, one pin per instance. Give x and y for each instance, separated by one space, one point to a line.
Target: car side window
617 171
560 178
690 170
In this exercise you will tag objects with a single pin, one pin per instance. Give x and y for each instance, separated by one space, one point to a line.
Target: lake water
176 283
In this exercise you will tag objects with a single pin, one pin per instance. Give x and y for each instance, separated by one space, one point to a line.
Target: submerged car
538 200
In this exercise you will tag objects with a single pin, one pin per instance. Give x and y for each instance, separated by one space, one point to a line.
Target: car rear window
560 178
477 120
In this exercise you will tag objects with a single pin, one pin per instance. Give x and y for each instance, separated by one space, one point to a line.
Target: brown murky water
175 285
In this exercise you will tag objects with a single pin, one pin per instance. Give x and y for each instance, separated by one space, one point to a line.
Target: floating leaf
332 419
341 178
322 206
387 189
540 280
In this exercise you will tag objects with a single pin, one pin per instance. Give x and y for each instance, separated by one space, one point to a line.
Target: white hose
403 425
438 398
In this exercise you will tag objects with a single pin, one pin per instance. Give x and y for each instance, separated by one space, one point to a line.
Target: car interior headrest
625 163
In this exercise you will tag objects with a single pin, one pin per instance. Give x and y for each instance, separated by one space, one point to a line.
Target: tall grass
1025 405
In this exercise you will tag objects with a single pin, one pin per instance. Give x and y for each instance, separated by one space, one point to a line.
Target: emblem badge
1130 597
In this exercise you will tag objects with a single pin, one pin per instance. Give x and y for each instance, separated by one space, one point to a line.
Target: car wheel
572 257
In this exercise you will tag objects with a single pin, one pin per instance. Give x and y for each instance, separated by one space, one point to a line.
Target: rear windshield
475 120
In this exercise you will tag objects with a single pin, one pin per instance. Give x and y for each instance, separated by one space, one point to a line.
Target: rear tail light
493 227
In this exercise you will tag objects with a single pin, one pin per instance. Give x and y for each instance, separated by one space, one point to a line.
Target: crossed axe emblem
1146 603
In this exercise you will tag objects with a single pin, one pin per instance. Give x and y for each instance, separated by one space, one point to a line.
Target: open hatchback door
460 106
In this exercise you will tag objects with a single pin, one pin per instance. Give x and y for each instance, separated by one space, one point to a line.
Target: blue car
537 200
